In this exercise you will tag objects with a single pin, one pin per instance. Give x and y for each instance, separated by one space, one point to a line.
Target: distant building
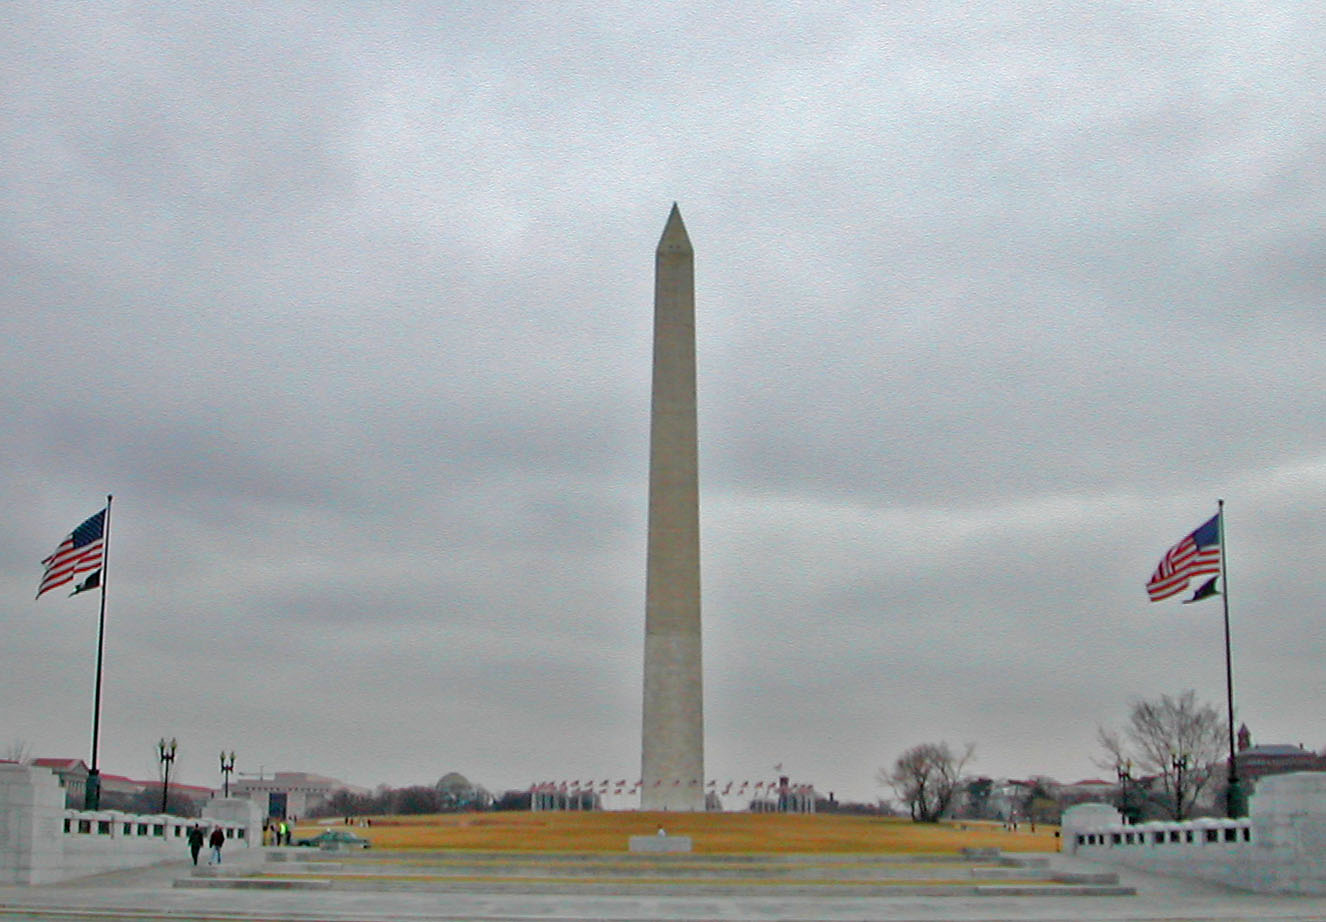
1006 798
1088 791
289 795
1255 762
196 794
73 778
117 791
118 788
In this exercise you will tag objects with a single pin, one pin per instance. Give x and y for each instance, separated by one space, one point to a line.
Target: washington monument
672 760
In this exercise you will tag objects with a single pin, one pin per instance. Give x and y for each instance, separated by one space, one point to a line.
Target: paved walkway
150 894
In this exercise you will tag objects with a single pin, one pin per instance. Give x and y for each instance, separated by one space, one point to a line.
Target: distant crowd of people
276 832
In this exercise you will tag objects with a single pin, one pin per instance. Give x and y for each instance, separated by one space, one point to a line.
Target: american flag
80 552
1195 555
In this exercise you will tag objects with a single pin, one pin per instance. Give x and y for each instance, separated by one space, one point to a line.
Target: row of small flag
622 787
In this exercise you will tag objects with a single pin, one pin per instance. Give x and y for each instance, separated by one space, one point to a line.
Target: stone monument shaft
672 761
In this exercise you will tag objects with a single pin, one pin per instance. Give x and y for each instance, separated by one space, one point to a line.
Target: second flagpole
1234 801
92 793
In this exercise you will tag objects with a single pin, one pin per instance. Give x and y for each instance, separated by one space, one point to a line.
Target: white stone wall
238 813
657 844
31 810
1279 848
41 842
96 841
1289 831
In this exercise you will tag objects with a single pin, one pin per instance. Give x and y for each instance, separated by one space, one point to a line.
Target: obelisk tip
674 236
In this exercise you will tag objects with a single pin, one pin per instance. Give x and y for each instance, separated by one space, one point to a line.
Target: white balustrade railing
1279 848
114 825
1199 833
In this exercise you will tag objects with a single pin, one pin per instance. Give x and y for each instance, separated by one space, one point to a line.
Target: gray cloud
351 312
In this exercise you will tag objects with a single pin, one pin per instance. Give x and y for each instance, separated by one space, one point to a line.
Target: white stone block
660 844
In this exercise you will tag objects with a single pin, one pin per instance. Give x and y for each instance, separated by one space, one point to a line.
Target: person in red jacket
217 839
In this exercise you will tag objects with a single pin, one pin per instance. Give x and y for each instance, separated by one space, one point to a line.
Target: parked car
335 838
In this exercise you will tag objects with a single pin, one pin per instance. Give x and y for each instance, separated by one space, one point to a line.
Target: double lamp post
166 754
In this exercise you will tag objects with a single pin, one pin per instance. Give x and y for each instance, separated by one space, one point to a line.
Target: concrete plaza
153 893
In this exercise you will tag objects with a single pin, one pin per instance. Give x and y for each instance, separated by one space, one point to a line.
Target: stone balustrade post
31 825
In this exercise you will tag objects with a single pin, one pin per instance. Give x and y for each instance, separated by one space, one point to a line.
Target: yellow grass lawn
711 833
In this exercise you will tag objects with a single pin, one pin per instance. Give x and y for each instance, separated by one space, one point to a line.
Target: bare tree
18 751
1179 741
926 779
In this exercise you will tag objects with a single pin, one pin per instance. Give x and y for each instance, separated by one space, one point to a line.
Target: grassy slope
711 833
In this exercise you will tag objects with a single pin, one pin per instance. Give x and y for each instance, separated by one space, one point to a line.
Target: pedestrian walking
195 842
217 840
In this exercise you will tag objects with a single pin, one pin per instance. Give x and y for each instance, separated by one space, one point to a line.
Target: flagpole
1234 807
92 793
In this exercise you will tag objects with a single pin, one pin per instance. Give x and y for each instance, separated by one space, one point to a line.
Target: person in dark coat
195 842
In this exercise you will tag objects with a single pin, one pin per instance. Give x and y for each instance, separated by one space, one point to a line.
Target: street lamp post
1180 765
1125 772
226 768
166 753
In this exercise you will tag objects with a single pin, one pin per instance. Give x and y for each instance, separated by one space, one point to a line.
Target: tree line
452 793
1165 758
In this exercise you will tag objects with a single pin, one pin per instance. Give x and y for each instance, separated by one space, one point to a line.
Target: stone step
251 883
805 871
1053 890
1008 873
1098 878
1024 861
978 873
315 856
654 888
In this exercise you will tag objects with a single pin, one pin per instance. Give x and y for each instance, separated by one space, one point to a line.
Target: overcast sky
349 306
